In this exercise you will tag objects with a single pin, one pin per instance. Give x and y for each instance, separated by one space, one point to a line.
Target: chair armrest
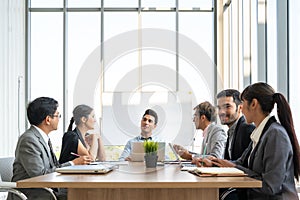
12 190
51 192
8 184
10 187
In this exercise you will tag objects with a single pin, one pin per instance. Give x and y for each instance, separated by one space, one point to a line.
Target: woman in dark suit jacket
273 154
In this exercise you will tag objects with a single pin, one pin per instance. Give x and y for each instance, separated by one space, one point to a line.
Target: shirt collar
204 133
255 136
43 134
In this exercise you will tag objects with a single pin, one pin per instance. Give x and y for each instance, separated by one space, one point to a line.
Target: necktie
52 154
149 138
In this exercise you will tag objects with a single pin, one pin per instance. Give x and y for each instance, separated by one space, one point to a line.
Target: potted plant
150 148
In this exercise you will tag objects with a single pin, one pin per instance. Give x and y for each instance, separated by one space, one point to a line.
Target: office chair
6 173
226 194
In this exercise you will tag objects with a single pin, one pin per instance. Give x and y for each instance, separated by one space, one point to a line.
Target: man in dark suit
34 155
230 114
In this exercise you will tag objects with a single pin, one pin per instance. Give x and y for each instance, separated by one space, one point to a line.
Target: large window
294 71
263 42
122 57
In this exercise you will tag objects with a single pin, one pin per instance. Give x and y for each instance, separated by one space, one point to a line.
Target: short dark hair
235 94
206 109
40 108
152 113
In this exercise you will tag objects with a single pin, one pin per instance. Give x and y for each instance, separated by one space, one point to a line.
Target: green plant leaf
150 146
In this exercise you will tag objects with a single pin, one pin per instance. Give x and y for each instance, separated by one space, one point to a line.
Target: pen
75 154
203 154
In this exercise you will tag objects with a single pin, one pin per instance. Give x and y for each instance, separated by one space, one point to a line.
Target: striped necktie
52 154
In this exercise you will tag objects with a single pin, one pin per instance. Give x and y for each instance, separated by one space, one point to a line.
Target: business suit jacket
215 141
32 158
241 139
271 161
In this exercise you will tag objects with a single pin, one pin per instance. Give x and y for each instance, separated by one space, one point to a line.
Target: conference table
136 182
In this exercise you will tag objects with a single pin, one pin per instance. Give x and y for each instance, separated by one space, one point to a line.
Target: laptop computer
137 151
86 169
183 163
175 153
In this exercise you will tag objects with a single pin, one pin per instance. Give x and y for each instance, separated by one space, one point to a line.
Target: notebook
217 171
137 151
86 169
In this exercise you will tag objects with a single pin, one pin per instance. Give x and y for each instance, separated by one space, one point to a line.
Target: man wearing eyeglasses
148 124
34 155
214 137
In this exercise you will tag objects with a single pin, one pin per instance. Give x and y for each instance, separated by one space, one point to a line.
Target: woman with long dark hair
273 155
77 141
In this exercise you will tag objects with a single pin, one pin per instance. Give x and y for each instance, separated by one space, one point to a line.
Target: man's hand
202 162
182 152
222 163
128 159
82 160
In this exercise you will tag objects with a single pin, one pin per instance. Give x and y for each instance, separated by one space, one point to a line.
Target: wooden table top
135 175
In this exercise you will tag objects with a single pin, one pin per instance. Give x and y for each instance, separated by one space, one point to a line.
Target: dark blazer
241 139
32 158
271 161
70 144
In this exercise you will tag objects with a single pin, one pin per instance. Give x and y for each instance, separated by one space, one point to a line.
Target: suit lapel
42 141
241 120
252 155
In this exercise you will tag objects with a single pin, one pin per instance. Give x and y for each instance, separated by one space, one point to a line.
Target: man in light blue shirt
148 124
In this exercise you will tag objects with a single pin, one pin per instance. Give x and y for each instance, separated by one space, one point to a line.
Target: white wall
12 65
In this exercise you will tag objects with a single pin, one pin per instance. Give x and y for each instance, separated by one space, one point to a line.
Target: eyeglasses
198 115
59 116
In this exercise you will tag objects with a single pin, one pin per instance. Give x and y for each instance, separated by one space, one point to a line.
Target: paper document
217 171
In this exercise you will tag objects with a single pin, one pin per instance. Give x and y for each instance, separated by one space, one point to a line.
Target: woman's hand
82 160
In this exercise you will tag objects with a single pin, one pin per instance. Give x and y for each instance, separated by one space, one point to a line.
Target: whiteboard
121 117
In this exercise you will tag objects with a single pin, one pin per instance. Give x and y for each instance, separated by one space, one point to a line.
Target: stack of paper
217 171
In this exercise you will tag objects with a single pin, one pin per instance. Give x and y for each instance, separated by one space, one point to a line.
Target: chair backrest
6 168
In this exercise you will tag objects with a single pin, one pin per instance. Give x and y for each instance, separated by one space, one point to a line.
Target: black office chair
6 172
228 194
